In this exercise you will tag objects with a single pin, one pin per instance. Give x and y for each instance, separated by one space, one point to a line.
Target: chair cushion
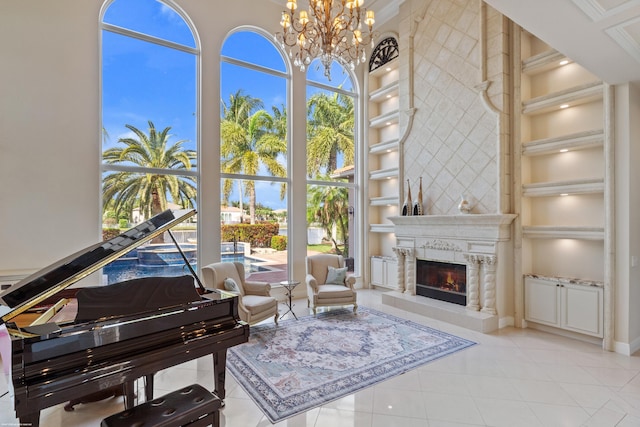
334 291
257 304
336 276
231 285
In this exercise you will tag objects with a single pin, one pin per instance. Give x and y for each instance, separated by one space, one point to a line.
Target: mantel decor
330 30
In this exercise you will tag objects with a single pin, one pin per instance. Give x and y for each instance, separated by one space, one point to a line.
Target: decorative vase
464 206
417 206
407 207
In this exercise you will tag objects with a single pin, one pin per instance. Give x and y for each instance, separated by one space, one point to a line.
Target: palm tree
123 191
330 131
251 138
329 206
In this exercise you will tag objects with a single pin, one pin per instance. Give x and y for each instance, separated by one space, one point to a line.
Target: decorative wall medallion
385 51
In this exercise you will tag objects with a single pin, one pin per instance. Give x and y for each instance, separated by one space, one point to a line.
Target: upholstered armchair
328 283
255 302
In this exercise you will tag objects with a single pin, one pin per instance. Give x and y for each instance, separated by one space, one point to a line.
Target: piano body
121 332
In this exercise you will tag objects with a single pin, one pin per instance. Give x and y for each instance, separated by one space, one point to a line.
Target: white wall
634 213
627 176
49 131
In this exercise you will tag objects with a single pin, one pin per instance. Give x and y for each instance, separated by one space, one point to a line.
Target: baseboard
506 321
627 349
565 333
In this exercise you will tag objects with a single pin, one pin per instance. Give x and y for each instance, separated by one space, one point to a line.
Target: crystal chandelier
331 30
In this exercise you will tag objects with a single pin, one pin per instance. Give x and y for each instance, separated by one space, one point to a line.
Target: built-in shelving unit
561 124
382 186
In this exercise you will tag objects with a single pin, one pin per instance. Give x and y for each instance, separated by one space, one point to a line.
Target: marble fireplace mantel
493 227
480 241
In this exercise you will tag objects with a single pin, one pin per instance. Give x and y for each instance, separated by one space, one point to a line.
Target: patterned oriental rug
302 364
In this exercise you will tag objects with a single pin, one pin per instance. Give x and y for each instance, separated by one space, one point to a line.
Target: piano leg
148 387
129 392
219 372
31 420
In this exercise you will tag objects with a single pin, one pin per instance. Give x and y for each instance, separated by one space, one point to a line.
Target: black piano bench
192 406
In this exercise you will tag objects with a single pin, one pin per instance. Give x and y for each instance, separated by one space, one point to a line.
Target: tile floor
513 377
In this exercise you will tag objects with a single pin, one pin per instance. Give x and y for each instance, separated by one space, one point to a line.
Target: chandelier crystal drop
330 30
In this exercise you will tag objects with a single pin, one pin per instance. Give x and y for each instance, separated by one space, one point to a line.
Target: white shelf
385 119
383 174
542 62
387 91
563 232
384 147
381 228
582 94
384 201
579 186
575 141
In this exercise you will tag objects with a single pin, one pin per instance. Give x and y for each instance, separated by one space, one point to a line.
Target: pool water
129 268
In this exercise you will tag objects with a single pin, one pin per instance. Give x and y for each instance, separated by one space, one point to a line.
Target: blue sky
143 81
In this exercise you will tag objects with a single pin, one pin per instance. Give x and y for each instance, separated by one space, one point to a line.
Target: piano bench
192 406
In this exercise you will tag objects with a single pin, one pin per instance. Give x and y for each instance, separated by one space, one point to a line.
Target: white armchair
338 290
255 302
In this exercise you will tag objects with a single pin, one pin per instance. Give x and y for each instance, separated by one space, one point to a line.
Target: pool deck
275 260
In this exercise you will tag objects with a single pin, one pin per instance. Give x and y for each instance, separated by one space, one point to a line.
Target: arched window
149 117
331 158
254 152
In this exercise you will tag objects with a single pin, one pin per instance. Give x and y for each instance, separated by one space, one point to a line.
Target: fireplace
442 280
476 249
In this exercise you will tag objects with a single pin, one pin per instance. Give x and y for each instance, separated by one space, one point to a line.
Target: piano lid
56 277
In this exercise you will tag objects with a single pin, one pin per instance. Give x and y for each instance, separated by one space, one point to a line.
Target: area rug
302 364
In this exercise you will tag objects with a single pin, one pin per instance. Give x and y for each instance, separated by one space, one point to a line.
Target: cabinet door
391 274
582 309
377 271
541 303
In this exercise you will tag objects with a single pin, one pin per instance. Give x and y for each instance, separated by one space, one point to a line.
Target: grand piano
119 333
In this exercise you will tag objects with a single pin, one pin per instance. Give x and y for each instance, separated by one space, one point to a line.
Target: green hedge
258 235
279 243
110 233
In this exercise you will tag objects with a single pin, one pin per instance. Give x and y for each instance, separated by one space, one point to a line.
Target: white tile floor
513 377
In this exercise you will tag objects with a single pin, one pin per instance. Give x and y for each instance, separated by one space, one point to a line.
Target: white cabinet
573 307
384 272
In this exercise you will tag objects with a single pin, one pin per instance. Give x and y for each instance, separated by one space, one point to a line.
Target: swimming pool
129 267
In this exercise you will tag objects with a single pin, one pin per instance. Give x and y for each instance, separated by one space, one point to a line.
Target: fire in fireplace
442 280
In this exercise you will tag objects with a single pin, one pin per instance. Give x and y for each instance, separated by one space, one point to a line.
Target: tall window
331 165
253 147
149 123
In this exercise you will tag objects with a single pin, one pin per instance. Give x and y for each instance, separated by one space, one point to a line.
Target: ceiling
601 35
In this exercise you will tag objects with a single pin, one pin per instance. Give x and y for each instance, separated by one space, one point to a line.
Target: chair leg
355 307
275 319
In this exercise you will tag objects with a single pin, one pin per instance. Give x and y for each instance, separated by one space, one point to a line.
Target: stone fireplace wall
455 71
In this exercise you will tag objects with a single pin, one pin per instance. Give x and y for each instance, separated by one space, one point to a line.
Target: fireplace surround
481 243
